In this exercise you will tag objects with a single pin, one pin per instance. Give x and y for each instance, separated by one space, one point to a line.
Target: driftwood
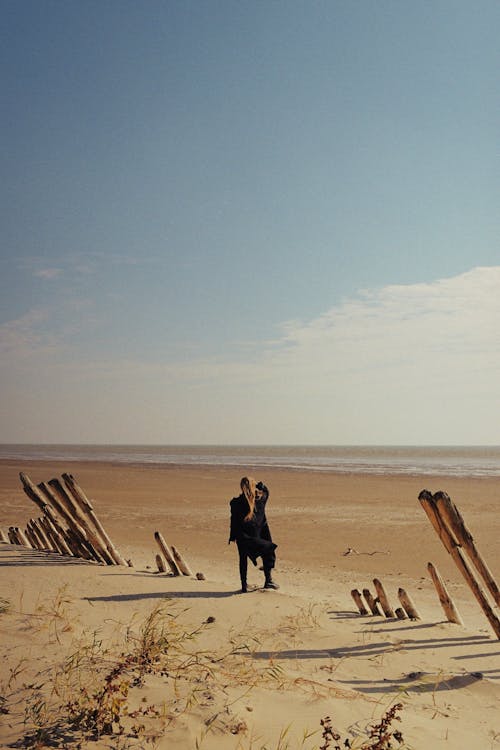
451 612
383 599
408 605
167 553
372 603
356 595
429 503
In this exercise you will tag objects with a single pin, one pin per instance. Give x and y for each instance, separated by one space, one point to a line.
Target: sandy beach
258 670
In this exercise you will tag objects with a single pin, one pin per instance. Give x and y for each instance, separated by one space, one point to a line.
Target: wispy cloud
48 273
402 363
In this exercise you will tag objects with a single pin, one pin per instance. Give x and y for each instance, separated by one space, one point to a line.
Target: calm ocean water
446 461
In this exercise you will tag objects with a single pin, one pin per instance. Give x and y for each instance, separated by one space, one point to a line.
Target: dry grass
135 686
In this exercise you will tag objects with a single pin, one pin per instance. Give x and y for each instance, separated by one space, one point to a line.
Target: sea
456 461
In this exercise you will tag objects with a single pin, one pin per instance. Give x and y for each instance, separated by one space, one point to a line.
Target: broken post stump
408 605
383 599
372 603
356 595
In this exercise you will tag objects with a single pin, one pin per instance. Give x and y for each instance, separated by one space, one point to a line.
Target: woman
250 530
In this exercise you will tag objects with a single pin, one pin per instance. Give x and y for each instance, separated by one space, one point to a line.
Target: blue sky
259 222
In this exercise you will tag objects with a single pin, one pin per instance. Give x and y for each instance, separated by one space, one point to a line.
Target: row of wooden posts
68 525
380 605
459 543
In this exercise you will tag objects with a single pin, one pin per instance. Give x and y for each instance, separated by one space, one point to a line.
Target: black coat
253 536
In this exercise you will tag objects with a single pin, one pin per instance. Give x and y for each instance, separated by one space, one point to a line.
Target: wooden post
372 603
167 554
427 501
41 535
451 612
408 605
58 534
400 613
23 538
160 564
57 540
455 523
88 510
356 595
3 537
382 597
32 538
180 562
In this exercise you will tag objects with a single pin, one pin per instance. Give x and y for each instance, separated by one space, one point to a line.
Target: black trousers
254 547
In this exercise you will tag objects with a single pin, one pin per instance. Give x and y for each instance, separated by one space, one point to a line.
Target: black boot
269 583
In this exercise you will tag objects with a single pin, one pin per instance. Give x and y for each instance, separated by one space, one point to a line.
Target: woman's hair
247 485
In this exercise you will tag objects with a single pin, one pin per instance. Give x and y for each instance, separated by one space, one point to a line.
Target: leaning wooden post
383 599
451 612
372 603
181 563
32 538
23 538
58 535
88 510
427 501
356 595
3 537
41 535
167 553
408 605
455 523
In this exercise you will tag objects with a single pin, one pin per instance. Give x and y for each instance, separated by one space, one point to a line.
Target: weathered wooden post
41 535
167 553
33 539
427 501
456 525
408 605
356 595
180 562
383 599
3 537
400 613
372 603
23 538
451 612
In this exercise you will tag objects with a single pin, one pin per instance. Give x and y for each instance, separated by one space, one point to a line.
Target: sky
249 222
